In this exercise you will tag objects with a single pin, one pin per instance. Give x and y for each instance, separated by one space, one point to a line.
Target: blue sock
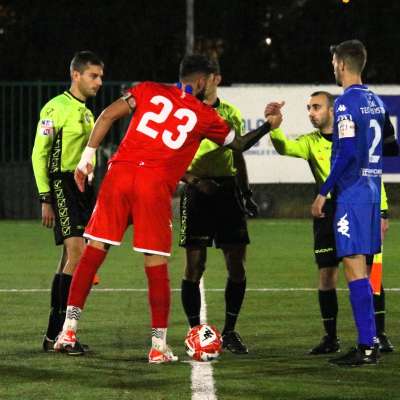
363 310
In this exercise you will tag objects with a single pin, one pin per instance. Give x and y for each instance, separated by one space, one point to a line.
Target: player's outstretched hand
317 206
80 176
273 113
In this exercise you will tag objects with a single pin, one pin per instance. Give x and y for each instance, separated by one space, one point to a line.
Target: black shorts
218 218
324 239
72 208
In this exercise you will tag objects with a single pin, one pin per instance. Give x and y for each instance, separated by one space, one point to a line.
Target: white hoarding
264 164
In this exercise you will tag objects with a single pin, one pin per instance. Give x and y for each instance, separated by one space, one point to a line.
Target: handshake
273 114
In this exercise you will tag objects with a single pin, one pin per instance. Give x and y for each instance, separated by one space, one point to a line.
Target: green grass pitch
279 326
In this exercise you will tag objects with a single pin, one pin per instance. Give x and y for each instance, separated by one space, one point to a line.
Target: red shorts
138 195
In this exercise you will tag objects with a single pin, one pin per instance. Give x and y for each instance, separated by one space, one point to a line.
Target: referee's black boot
357 356
232 341
328 344
385 345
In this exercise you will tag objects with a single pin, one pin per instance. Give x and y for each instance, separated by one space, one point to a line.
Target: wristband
86 158
45 198
384 214
247 193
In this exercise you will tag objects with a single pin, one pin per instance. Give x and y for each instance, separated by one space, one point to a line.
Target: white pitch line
203 386
111 290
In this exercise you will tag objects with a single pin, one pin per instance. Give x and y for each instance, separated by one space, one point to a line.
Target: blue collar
188 88
357 86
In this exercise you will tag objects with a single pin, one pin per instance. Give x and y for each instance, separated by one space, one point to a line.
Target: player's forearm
384 200
243 143
40 170
42 181
242 176
344 156
285 146
112 113
100 130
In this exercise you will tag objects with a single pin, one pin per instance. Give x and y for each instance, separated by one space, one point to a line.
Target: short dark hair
82 59
197 63
330 97
353 52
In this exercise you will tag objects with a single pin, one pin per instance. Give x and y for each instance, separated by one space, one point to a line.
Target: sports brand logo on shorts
343 226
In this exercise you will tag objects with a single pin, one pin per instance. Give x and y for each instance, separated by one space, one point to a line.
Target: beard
338 80
201 95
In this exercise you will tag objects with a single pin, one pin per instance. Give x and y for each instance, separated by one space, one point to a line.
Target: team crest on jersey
343 226
87 118
341 108
47 127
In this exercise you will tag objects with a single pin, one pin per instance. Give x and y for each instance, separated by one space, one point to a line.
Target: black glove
250 206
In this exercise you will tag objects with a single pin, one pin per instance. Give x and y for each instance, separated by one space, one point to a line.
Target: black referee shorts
72 208
324 238
218 218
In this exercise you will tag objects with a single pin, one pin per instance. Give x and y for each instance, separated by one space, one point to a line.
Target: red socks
159 295
83 276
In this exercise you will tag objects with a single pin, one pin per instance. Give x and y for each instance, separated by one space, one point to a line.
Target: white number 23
161 116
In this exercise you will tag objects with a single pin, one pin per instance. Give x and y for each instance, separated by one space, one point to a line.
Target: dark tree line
145 39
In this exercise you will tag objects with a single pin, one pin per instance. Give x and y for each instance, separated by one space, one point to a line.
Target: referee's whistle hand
317 206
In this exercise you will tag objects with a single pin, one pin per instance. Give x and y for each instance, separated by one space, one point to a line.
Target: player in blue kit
361 128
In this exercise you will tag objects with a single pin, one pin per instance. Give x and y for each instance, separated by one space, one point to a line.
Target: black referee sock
328 304
234 295
191 301
54 317
379 305
65 283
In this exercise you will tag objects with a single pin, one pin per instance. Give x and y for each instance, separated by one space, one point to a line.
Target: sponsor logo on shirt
371 172
341 107
372 110
343 226
342 117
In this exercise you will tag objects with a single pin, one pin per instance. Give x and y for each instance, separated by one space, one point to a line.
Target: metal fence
20 105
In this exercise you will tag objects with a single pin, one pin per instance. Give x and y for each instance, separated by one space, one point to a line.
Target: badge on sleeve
346 129
47 127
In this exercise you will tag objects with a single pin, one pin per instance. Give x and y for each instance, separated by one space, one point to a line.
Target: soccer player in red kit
168 123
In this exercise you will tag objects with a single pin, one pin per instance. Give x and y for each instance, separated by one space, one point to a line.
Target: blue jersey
359 114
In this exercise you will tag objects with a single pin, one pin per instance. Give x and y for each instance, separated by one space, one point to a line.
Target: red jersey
167 127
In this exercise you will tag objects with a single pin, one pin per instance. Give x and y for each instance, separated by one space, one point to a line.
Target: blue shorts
357 229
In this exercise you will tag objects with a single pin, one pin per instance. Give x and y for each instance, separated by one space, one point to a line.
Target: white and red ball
203 343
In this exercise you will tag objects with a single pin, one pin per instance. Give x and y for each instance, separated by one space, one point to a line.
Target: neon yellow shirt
61 136
212 160
315 149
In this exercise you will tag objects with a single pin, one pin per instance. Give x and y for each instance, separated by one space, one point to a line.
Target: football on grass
203 343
